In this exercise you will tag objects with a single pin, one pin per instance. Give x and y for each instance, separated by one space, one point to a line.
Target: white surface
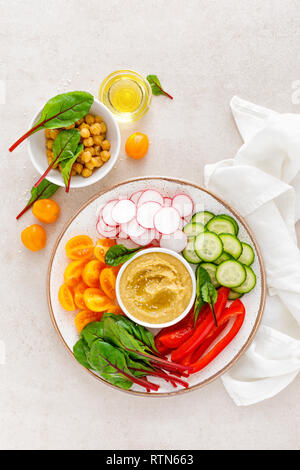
266 164
37 152
204 53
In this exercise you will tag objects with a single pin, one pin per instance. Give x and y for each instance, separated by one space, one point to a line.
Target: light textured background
204 51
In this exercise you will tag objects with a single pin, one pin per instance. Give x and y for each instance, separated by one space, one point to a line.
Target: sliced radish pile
183 204
167 220
123 211
177 241
146 218
146 212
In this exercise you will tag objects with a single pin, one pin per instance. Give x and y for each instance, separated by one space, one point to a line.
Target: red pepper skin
236 309
203 329
161 348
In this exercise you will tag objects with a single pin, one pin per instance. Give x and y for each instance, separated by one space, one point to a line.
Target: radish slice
128 243
157 235
146 212
144 239
167 202
123 235
167 220
134 230
151 195
106 213
123 211
177 241
135 196
106 231
184 204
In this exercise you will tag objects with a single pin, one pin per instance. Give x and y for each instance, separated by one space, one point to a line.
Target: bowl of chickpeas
100 136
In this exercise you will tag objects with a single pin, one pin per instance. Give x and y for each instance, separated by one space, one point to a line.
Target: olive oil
127 94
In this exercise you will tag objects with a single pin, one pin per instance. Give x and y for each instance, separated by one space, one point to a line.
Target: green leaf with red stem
60 111
44 190
156 87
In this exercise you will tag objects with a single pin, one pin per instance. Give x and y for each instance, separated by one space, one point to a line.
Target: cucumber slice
193 229
231 273
234 295
189 253
249 282
224 257
211 270
228 217
247 256
208 246
202 217
231 245
220 224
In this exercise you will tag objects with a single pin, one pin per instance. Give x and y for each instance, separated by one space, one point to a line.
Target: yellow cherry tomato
34 237
46 210
137 145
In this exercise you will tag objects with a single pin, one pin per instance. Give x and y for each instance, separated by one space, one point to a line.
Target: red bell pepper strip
173 336
237 310
161 348
194 356
203 329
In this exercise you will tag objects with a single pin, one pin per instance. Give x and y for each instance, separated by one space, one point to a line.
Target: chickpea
98 118
49 154
89 119
105 156
86 156
73 172
78 167
86 172
96 128
97 149
47 133
103 127
88 142
97 162
53 133
98 139
105 145
91 150
85 133
49 160
70 127
49 144
90 165
80 121
83 125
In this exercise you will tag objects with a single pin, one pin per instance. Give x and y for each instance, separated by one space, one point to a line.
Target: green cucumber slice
211 270
247 256
234 295
220 224
231 245
249 282
193 229
228 217
189 253
231 274
208 246
202 217
224 257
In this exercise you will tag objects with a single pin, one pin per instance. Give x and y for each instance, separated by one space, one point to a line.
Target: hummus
156 288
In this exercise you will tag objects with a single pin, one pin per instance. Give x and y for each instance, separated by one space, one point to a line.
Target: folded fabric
262 182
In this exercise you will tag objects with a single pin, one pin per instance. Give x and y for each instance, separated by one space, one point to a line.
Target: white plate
84 222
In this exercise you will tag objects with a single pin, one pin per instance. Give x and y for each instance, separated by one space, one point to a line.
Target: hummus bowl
156 284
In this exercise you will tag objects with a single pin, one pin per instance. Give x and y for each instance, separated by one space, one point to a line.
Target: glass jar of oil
126 94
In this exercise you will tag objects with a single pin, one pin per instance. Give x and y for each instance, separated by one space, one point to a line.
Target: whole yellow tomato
137 145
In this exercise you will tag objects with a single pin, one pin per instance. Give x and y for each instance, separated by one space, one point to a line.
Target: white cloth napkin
263 183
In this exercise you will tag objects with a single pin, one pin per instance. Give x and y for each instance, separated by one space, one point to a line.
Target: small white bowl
37 150
186 265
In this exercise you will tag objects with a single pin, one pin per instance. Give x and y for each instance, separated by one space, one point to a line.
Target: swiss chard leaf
138 331
81 351
111 363
65 145
156 86
61 111
205 292
119 254
67 165
92 332
43 191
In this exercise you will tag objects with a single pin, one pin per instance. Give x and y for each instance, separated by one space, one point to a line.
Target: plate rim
261 305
